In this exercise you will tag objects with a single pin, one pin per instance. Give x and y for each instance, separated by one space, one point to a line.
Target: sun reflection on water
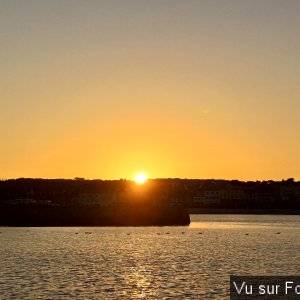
139 280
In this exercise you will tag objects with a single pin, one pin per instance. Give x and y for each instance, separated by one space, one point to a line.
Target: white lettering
272 289
297 289
250 289
261 289
237 289
277 287
288 286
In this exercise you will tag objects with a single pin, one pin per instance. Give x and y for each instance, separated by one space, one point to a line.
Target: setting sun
140 178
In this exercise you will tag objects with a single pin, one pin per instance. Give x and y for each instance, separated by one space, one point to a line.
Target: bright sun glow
140 178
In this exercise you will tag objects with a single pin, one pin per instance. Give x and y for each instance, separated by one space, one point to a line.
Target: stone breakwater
132 215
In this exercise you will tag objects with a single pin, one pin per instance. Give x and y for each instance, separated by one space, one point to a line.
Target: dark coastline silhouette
39 202
80 202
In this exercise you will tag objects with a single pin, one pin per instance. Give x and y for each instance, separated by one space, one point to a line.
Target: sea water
192 262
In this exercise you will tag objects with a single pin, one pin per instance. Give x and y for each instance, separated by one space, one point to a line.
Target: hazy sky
190 88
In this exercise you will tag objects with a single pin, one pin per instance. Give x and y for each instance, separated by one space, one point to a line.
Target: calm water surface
146 262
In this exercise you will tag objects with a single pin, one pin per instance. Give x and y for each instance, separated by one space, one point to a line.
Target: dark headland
159 202
79 202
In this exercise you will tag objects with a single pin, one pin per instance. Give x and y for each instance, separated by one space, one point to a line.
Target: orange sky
189 89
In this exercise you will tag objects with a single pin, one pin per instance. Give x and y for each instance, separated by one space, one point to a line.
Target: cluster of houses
192 193
245 196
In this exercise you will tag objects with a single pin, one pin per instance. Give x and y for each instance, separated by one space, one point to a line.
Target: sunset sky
189 89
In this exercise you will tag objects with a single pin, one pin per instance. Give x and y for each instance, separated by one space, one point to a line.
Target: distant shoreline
244 211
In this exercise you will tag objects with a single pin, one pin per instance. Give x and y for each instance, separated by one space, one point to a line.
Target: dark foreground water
146 262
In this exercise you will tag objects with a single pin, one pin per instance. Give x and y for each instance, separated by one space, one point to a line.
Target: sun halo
140 178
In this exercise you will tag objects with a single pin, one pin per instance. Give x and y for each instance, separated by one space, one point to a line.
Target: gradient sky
189 88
